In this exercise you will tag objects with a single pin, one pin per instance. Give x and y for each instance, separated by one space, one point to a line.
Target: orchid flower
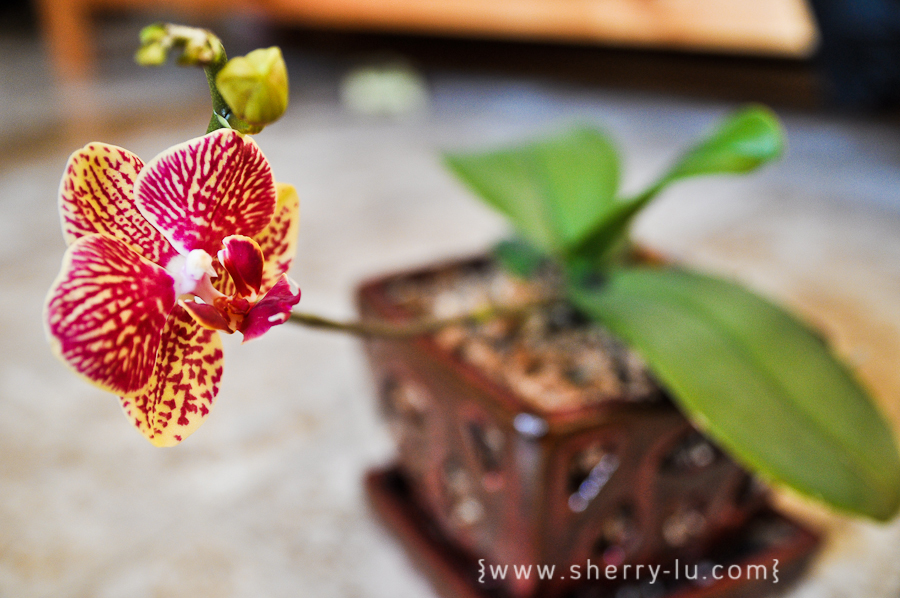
161 256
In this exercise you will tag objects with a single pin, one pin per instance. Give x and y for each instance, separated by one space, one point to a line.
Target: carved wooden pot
486 478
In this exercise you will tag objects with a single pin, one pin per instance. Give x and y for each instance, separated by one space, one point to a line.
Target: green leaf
745 141
757 381
554 191
519 257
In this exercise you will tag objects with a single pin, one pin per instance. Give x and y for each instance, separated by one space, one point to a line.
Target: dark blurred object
860 52
622 481
780 82
16 16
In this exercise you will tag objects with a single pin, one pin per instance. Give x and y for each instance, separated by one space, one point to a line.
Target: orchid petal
96 195
206 315
243 259
105 313
222 280
273 309
201 191
278 240
184 385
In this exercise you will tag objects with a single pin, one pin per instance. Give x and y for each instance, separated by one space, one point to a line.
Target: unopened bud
152 54
255 86
199 47
152 34
201 50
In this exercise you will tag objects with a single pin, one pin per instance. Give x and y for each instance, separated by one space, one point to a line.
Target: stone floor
266 500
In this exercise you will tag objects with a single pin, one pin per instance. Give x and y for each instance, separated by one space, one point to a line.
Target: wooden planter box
486 478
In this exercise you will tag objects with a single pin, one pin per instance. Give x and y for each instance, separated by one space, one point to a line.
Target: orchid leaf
554 191
757 381
519 257
745 141
748 139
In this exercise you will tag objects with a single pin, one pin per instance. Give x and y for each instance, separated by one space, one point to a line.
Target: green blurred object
742 143
519 257
255 86
758 382
392 89
553 191
749 374
199 47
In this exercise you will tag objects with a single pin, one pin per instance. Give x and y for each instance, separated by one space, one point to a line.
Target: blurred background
266 498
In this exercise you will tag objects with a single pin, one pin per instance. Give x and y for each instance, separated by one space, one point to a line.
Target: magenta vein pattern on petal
184 384
96 195
206 189
106 312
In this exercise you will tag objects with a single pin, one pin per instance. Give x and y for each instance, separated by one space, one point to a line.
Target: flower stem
220 106
198 47
222 112
379 328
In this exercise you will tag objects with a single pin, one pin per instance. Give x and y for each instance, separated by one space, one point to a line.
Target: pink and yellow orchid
160 257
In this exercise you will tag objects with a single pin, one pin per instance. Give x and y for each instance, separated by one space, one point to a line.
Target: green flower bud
255 86
201 50
153 54
199 47
152 34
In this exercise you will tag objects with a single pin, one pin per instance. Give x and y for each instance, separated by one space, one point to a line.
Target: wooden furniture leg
67 31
